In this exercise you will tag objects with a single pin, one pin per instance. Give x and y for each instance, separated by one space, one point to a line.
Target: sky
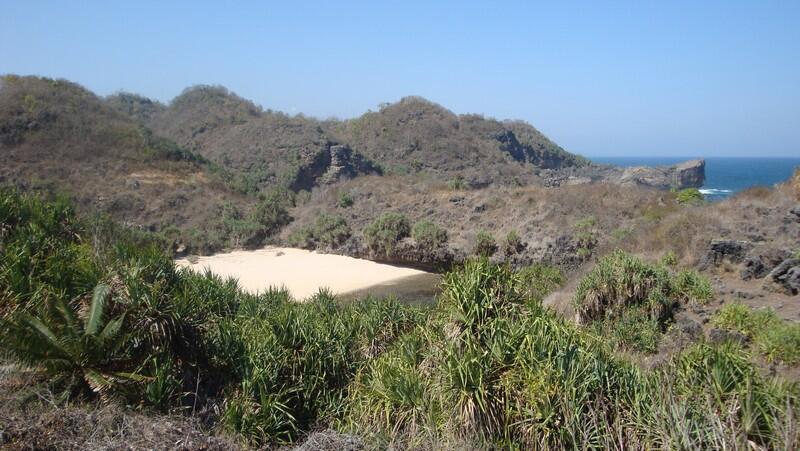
640 78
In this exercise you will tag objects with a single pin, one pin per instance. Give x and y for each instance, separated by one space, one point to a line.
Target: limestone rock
786 276
733 251
689 174
758 265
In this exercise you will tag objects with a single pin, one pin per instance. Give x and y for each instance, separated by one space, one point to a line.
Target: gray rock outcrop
688 174
786 276
335 162
758 264
719 251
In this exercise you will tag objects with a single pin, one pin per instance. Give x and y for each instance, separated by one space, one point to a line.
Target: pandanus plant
79 347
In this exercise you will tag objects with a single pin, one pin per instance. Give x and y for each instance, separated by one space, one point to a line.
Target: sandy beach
303 272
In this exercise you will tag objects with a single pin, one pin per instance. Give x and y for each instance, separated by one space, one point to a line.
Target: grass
457 184
539 280
484 245
487 367
776 339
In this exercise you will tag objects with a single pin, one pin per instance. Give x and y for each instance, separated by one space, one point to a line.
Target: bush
429 236
692 288
384 233
619 281
689 196
778 340
345 200
457 184
271 213
327 231
485 245
497 373
669 259
513 243
626 297
586 236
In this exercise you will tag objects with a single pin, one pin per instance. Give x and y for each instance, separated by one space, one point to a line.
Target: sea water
724 176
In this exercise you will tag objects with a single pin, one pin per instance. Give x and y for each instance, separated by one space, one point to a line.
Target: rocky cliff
688 174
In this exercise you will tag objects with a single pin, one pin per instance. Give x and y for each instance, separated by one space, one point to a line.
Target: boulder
689 327
758 264
786 276
717 336
332 163
733 251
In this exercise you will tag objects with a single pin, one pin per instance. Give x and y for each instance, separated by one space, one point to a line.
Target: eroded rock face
346 164
335 162
689 174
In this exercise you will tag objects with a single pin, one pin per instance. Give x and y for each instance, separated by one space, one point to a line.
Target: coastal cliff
688 174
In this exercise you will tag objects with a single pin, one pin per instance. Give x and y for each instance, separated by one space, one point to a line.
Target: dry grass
32 418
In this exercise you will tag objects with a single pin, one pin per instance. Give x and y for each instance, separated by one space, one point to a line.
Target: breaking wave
715 191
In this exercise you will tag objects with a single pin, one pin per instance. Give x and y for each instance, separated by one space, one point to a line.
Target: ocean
724 176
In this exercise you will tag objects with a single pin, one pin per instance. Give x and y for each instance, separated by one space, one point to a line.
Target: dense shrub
429 236
689 196
327 231
778 340
631 299
345 200
484 245
271 213
384 233
489 371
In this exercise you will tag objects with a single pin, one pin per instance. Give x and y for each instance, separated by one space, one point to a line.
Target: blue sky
699 78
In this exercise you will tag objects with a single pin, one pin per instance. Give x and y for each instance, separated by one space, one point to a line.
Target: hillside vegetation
99 318
57 137
413 135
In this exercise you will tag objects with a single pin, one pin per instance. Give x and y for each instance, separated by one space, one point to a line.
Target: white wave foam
715 191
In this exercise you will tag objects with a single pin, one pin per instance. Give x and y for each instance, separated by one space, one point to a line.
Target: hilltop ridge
57 136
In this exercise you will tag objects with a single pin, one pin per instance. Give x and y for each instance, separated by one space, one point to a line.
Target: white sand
302 272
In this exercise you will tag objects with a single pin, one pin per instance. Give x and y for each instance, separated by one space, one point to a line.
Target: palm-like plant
79 347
